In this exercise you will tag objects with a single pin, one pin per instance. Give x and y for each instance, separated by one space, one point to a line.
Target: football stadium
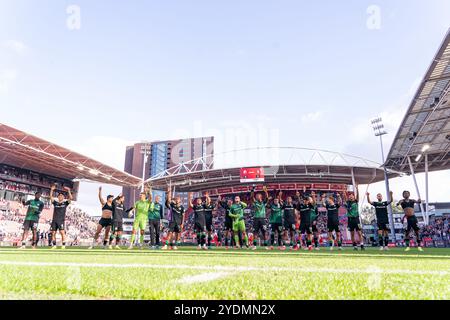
266 223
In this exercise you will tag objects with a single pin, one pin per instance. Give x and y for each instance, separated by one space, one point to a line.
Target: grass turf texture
219 274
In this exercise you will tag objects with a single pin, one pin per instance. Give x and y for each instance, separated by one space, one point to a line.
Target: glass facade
159 158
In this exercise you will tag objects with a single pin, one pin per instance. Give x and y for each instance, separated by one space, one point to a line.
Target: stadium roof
427 121
281 165
23 150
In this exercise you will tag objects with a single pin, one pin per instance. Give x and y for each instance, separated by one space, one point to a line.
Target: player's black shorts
333 225
29 224
199 226
228 224
117 226
276 227
57 225
354 224
413 224
305 228
209 222
383 225
174 226
289 225
104 222
259 224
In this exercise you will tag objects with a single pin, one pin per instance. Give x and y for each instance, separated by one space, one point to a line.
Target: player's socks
255 243
407 242
272 239
308 243
118 240
199 239
105 242
386 241
64 244
246 240
316 242
54 243
209 240
330 243
266 243
236 240
133 238
141 239
339 243
203 238
380 241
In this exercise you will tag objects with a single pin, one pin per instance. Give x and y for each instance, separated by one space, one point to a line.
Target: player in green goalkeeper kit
237 214
141 209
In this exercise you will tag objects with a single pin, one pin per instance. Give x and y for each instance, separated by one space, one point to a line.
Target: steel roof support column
427 213
415 184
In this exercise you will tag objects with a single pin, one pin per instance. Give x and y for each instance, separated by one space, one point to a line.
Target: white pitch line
240 253
203 277
219 268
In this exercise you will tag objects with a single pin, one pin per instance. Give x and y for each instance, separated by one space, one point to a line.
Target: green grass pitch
220 274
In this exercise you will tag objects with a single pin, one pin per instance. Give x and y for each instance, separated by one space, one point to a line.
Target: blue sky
311 73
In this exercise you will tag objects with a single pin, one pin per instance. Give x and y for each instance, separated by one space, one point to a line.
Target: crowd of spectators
437 230
79 225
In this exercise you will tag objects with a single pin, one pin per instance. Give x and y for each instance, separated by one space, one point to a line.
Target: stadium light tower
379 130
145 151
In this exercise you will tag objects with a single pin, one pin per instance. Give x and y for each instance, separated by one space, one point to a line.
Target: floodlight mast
379 131
145 151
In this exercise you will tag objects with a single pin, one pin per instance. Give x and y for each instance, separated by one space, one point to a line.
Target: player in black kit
333 220
176 223
289 216
59 215
199 221
119 213
382 219
229 237
412 222
209 208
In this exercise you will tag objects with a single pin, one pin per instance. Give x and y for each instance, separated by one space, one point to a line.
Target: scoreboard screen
252 175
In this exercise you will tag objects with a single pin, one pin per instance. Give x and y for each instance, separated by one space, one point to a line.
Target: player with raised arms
34 211
354 222
228 225
332 207
411 219
382 219
176 221
59 215
105 221
209 209
259 205
276 222
199 220
141 209
289 216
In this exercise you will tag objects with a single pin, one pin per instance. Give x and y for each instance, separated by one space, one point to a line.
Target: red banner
300 186
241 189
321 186
290 186
225 190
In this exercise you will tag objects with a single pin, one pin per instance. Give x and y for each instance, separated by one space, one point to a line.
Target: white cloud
17 46
109 150
6 78
312 117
